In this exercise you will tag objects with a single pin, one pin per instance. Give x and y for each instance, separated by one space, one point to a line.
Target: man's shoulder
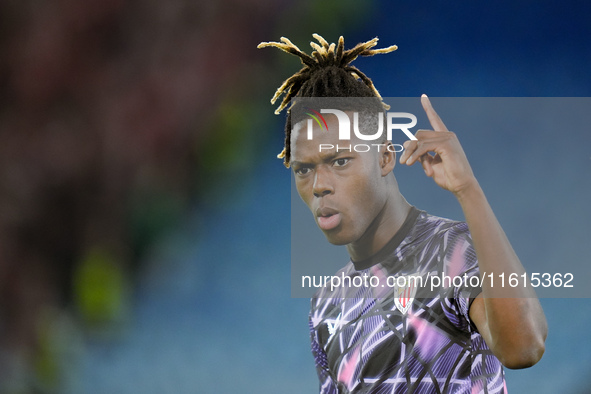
439 223
430 226
445 236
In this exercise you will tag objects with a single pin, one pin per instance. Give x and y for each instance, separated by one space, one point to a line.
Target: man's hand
448 166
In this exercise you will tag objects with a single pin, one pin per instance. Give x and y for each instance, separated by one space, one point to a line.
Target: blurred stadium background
144 231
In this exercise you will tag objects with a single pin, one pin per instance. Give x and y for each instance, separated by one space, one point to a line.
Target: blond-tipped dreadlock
326 73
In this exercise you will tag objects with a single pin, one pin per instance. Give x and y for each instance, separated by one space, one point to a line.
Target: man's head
346 189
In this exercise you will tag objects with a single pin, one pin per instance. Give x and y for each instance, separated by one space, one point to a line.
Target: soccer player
455 339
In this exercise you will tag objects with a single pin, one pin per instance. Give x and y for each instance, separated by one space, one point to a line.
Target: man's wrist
470 192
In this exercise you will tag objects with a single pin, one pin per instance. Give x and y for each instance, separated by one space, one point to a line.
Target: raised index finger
434 119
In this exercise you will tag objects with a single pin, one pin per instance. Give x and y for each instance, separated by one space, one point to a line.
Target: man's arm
514 327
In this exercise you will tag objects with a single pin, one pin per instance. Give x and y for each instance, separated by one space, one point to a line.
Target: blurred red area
103 106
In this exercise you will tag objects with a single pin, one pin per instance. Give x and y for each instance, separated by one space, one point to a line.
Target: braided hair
327 72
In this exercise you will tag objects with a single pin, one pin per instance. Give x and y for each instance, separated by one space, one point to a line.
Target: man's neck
382 229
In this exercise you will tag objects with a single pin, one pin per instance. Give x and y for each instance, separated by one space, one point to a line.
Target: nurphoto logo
344 125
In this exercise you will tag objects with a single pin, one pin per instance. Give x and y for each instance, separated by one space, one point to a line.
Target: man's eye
302 171
340 162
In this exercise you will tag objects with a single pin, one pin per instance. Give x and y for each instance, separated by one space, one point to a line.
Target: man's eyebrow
296 163
329 156
332 155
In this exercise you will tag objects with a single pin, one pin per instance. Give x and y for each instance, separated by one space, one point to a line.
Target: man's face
344 190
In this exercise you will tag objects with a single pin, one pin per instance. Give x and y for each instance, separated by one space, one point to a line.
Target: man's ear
387 158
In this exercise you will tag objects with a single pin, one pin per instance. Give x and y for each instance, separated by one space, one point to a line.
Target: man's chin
336 237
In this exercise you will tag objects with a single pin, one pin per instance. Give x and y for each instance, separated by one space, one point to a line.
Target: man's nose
322 183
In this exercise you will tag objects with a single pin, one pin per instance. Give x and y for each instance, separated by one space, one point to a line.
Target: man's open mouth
328 218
